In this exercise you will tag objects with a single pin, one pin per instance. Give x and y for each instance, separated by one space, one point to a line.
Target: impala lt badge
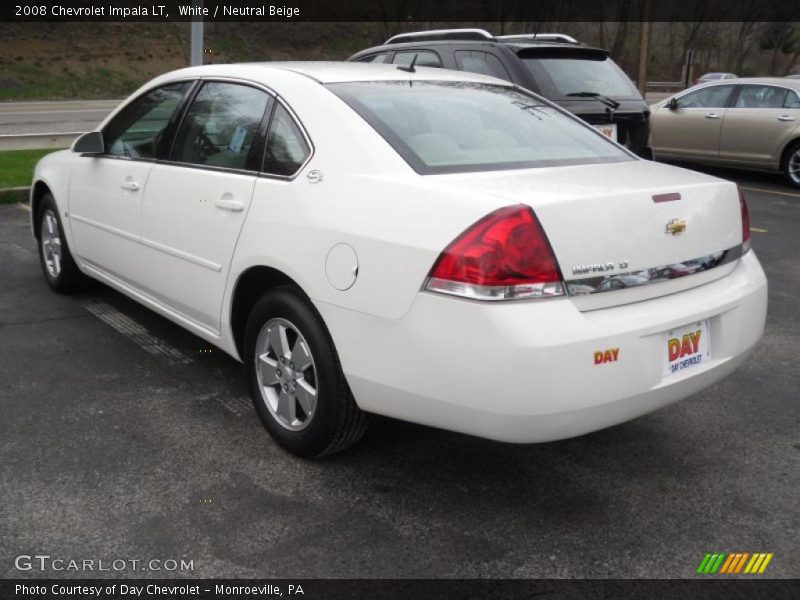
599 267
676 226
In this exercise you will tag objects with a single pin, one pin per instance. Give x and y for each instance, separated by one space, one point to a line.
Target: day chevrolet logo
676 226
733 563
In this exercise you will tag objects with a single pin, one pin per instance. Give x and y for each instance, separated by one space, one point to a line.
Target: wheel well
39 190
250 286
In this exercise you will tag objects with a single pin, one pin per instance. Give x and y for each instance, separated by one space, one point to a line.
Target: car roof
330 72
782 81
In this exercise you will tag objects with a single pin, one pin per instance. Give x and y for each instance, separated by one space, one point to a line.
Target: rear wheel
58 266
791 164
296 381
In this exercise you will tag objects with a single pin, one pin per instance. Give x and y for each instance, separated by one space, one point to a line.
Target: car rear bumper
525 371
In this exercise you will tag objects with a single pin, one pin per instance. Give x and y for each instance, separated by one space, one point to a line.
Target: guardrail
666 84
31 141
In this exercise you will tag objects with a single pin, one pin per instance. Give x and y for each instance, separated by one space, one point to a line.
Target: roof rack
441 34
539 37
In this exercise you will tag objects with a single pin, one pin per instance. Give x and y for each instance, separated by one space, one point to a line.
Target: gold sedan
751 123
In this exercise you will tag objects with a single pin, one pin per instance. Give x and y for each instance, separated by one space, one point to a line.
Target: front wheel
296 381
58 266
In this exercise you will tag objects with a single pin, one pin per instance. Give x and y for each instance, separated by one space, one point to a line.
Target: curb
17 194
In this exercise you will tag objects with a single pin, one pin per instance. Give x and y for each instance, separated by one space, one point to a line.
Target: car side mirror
89 143
672 104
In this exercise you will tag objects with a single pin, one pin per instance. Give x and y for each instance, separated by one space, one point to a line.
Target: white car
418 243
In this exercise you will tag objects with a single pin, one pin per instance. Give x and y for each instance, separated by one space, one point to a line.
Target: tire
58 266
791 164
288 353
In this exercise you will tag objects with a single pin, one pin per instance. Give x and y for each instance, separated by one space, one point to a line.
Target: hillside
109 60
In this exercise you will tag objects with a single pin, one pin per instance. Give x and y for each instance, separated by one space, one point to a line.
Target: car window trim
775 85
269 110
299 124
373 56
728 103
419 50
457 61
178 111
201 82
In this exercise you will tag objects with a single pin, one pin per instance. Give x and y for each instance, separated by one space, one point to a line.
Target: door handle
712 116
228 204
785 118
130 185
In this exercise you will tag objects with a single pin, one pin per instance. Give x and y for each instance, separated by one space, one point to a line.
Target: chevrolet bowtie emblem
676 226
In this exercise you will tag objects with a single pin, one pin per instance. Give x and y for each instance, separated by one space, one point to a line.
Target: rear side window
792 100
715 96
760 96
287 149
457 126
484 63
221 126
425 58
137 131
374 58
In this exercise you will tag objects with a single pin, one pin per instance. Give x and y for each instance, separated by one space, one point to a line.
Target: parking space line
23 206
763 191
138 334
758 230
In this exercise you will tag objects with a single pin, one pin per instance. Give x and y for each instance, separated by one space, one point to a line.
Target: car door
692 128
758 124
197 201
105 191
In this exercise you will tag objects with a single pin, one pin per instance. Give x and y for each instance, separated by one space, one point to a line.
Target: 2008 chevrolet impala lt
440 247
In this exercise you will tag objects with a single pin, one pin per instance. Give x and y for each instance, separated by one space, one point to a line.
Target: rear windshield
458 126
560 77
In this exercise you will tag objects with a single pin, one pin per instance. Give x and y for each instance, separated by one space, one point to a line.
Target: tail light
745 223
504 256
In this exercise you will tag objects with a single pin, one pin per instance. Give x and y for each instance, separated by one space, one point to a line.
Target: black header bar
410 11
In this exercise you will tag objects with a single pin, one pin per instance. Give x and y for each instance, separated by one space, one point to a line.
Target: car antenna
410 68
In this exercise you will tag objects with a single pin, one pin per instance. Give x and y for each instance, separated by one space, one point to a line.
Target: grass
31 82
16 170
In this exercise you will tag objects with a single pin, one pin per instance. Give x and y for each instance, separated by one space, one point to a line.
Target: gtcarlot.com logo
721 563
45 562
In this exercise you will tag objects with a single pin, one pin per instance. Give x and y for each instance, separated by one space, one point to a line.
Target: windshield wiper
612 104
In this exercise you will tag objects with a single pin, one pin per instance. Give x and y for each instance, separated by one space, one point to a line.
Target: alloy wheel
794 167
51 243
287 376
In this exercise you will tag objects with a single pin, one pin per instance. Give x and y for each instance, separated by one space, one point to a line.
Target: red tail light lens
745 222
503 256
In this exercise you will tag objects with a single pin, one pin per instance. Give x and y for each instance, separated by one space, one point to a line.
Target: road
29 125
123 436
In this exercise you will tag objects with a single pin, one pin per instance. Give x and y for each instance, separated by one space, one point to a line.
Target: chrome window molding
734 82
254 84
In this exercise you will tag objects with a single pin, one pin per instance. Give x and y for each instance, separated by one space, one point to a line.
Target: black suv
581 79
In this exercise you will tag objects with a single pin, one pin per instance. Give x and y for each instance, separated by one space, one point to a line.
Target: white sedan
440 247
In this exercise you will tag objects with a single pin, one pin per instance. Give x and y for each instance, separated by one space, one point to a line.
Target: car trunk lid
620 227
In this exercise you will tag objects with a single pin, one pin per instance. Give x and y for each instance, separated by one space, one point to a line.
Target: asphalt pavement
125 437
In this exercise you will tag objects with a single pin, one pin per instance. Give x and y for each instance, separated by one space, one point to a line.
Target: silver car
751 123
714 77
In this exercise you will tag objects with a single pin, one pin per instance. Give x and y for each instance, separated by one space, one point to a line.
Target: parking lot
124 436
